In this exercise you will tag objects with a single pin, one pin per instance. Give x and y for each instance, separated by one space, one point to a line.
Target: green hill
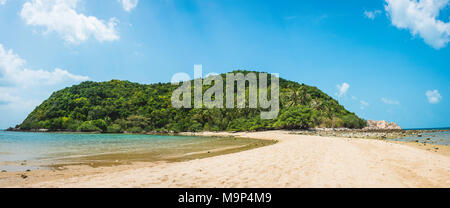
122 106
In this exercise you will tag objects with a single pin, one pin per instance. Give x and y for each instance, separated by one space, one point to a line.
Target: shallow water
20 151
439 138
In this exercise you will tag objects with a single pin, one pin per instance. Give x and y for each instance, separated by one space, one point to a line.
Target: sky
382 59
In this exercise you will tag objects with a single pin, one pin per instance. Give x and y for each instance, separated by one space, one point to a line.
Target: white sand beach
295 161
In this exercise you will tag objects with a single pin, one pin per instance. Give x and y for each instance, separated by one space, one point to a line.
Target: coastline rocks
12 129
381 125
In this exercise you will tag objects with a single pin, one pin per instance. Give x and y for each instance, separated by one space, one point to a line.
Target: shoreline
313 131
377 134
151 152
294 161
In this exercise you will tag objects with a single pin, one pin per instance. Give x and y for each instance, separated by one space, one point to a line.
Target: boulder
381 125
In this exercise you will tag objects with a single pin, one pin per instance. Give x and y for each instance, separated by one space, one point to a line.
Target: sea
441 137
21 151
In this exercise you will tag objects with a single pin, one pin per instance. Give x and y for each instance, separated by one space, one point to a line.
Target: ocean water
439 138
20 151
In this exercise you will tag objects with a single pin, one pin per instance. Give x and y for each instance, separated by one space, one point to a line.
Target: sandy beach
295 161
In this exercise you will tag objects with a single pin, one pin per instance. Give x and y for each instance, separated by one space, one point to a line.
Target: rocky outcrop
381 125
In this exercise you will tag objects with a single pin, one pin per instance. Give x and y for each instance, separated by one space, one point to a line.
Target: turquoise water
439 138
20 151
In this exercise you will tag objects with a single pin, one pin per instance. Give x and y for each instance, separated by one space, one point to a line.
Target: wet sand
295 161
101 163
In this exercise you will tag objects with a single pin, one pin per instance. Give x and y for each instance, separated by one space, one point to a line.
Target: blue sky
377 58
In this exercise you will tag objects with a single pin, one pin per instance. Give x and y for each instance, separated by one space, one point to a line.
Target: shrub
100 123
114 128
295 118
87 126
135 129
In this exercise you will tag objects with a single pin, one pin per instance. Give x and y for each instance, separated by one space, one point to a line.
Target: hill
122 106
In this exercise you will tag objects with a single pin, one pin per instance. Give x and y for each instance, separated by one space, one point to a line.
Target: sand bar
295 161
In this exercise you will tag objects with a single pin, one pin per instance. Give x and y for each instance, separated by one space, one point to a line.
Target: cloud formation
364 104
129 5
61 16
21 85
13 71
342 89
433 96
420 18
371 14
2 2
390 102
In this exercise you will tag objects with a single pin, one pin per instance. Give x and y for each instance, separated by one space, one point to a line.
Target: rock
24 176
381 125
4 171
13 129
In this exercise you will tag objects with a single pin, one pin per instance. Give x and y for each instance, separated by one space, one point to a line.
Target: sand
295 161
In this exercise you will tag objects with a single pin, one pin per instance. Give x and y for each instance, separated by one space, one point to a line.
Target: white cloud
2 2
9 97
420 18
342 89
22 88
13 71
364 104
61 16
129 5
390 102
433 96
371 14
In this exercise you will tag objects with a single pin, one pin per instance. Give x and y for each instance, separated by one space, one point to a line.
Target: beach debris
23 164
428 138
4 171
28 170
23 176
436 148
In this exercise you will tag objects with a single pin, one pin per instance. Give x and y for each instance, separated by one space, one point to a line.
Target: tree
118 106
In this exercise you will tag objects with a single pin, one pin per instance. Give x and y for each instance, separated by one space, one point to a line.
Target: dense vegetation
122 106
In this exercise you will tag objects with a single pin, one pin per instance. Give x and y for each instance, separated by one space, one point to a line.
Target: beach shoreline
294 161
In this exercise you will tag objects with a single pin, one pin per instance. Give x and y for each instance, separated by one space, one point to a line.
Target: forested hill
122 106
